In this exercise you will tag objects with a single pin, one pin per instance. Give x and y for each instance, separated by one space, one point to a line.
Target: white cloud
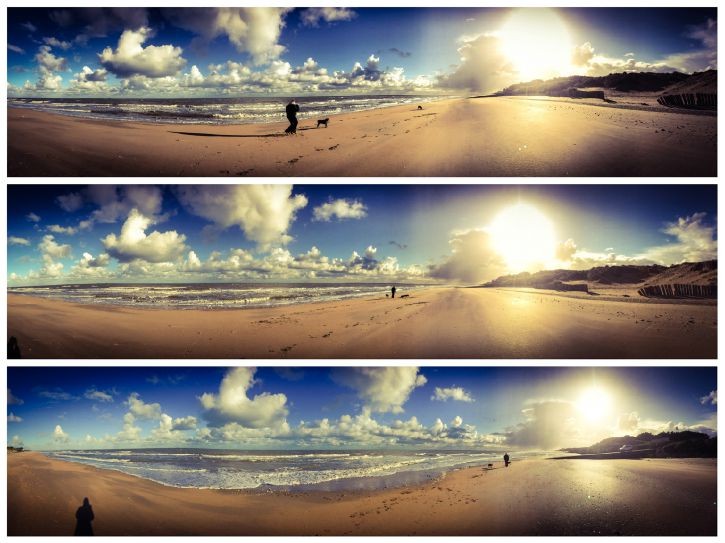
483 66
473 259
58 229
98 395
131 58
17 441
134 243
89 80
233 405
57 395
14 400
254 31
342 208
451 393
706 33
32 217
70 202
48 246
55 42
313 16
172 429
263 212
48 61
59 436
16 49
15 240
548 425
130 431
12 417
710 398
139 409
383 389
628 422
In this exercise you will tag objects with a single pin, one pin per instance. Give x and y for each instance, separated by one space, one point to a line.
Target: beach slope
503 136
531 497
435 323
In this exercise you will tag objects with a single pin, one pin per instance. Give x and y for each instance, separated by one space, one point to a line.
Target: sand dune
505 136
434 323
531 497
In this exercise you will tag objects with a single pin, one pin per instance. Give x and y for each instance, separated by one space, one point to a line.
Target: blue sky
368 233
233 51
429 407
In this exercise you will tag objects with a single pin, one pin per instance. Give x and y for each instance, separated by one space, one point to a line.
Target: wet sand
505 136
531 497
436 323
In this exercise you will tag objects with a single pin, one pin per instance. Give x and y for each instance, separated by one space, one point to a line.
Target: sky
229 51
448 234
485 408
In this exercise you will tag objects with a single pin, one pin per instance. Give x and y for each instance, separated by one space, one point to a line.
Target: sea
211 110
211 295
279 470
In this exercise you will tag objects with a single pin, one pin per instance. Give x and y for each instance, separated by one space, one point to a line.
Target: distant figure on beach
420 107
392 290
292 109
506 460
84 517
13 348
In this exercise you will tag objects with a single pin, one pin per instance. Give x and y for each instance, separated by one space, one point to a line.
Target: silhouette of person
13 348
292 109
84 517
506 459
392 290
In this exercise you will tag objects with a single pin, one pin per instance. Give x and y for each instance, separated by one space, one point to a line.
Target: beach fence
679 291
577 93
700 100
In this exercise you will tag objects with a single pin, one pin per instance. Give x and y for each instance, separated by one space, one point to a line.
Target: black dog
322 121
420 107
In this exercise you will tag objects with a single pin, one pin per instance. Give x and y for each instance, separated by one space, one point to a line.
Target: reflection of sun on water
594 404
523 237
537 43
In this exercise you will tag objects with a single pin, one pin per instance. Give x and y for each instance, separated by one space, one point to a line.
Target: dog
405 296
322 121
420 107
490 466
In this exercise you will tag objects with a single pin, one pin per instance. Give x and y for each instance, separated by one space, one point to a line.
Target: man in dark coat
291 110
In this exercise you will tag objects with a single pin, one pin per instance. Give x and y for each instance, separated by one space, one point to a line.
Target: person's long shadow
84 517
210 135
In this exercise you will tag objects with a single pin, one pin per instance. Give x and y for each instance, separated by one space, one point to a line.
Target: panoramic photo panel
424 451
364 92
362 271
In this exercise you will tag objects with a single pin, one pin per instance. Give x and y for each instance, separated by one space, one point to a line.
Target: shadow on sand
84 517
210 135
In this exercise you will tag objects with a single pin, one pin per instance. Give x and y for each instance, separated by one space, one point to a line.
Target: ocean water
211 295
279 470
211 110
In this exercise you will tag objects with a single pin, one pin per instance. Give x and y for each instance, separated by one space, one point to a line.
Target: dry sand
505 136
531 497
433 323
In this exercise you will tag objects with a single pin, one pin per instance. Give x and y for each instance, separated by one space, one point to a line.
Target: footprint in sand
333 147
293 161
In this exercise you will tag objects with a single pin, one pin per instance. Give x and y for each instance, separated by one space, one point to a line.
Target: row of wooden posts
679 291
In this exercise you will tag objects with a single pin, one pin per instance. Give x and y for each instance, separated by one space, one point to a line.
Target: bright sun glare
537 43
523 237
594 404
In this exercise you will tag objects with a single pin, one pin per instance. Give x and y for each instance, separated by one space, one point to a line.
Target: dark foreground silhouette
13 348
84 517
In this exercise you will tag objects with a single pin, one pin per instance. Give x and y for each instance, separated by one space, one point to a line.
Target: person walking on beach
292 109
506 460
84 517
392 290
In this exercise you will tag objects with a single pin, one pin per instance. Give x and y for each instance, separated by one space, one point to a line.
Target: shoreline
451 137
436 323
532 497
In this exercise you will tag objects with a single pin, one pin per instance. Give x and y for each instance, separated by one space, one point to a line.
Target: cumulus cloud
472 260
129 432
451 393
142 410
55 42
547 425
313 16
263 212
98 395
382 389
134 243
232 404
17 441
710 398
115 202
12 417
483 66
342 208
172 429
131 58
89 80
59 436
15 240
90 265
14 400
254 31
58 229
628 422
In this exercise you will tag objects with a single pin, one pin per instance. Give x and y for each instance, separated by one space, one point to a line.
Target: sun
536 41
594 404
523 237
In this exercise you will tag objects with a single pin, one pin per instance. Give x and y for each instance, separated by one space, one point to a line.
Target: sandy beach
503 136
531 497
432 323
